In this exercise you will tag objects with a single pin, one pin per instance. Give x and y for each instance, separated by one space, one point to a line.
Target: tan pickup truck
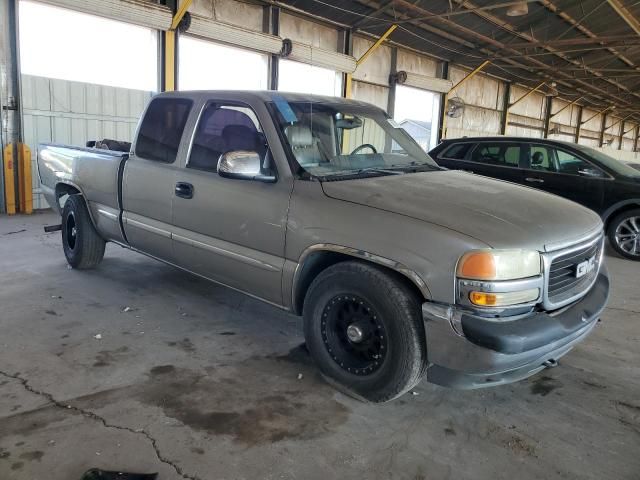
326 208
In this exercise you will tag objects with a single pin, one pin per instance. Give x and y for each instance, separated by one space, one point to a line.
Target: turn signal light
503 299
483 299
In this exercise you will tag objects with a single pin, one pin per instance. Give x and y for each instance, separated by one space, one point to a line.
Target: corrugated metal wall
72 112
483 97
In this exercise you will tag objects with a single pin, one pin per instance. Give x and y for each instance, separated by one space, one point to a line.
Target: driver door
229 230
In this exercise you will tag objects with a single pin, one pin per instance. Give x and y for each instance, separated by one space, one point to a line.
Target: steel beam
367 54
626 15
565 107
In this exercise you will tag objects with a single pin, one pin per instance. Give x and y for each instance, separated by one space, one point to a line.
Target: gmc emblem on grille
585 267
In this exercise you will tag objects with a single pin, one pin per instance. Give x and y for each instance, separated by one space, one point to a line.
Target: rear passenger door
149 176
499 160
229 230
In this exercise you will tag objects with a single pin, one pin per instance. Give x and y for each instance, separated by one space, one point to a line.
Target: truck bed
94 173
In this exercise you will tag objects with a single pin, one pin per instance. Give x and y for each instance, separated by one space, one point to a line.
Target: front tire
82 245
624 234
364 330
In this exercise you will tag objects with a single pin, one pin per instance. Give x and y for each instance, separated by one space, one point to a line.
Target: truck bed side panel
94 173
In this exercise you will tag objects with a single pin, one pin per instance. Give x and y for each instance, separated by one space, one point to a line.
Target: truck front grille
571 272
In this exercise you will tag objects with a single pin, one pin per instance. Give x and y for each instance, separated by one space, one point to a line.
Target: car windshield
617 166
339 140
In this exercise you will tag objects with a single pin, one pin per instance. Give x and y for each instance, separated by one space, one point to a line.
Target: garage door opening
205 65
68 45
302 78
417 111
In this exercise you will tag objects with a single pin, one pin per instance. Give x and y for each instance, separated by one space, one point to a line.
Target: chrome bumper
472 352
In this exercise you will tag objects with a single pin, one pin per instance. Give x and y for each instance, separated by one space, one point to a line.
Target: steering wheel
363 146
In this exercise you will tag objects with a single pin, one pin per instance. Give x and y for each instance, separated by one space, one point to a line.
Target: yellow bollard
9 180
25 187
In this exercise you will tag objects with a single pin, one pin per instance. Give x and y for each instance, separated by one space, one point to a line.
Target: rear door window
162 128
498 154
457 151
542 158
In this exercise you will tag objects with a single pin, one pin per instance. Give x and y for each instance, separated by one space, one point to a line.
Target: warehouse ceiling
589 48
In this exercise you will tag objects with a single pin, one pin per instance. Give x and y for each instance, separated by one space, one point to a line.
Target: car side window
162 128
457 151
541 158
222 129
572 165
500 154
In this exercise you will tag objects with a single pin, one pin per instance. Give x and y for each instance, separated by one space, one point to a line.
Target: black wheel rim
354 335
72 231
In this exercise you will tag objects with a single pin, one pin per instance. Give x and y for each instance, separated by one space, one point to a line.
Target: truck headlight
495 265
496 279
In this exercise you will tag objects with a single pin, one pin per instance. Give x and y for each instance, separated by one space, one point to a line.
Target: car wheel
364 330
82 245
624 234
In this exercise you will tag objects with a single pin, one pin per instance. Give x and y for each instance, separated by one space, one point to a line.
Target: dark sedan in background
579 173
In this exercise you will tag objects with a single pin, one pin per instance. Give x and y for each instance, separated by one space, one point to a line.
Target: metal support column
271 25
170 45
391 99
505 102
443 73
603 126
10 119
347 49
621 135
635 142
578 125
547 115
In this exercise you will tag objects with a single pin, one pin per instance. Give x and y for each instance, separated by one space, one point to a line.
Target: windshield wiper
360 171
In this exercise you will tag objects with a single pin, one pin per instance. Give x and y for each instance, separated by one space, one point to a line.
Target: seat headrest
537 158
299 136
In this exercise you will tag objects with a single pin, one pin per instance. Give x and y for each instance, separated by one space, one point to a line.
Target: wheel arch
317 258
617 209
70 188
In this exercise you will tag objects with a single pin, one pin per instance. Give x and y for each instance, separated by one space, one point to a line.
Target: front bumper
482 353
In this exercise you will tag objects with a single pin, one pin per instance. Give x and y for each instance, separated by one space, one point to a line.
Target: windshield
617 166
331 141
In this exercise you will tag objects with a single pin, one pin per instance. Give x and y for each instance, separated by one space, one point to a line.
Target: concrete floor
195 381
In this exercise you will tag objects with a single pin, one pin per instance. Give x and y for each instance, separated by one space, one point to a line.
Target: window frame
227 103
188 100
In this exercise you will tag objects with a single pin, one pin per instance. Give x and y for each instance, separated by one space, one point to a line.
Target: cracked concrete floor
195 381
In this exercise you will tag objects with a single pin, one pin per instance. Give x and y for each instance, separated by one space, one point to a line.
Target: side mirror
242 165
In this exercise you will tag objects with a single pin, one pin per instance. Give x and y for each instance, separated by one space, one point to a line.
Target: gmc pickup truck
325 208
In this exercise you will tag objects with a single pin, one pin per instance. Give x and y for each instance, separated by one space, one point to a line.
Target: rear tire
624 234
82 245
364 330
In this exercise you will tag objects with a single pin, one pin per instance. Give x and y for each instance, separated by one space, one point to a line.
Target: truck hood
500 214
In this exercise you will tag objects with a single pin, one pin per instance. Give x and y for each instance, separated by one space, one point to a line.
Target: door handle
532 179
184 190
